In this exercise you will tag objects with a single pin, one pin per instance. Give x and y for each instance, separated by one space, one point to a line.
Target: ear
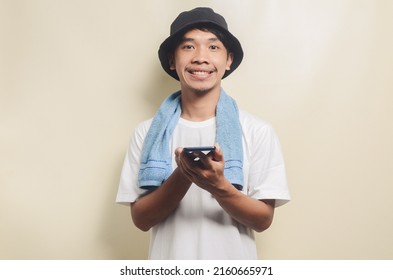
172 64
229 61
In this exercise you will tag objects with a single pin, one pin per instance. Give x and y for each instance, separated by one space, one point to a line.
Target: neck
199 106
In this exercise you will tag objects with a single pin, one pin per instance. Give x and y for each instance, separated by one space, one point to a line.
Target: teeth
200 73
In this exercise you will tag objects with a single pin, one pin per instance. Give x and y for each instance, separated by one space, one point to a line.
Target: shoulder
252 124
139 134
143 127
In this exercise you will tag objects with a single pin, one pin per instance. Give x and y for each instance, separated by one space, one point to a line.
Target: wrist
181 178
223 189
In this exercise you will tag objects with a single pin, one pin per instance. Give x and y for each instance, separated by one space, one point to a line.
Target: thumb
218 155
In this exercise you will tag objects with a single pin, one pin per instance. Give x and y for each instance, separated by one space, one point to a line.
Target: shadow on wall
121 238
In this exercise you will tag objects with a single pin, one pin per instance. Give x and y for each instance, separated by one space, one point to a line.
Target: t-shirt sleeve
267 175
129 190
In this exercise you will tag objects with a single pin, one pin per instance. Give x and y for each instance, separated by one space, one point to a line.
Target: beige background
77 76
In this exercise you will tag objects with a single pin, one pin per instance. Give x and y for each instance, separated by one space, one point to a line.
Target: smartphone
207 149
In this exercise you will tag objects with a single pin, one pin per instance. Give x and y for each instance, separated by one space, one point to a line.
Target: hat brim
234 47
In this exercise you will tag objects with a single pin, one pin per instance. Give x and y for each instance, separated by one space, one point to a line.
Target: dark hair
178 39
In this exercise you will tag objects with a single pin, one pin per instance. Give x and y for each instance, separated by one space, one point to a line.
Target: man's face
200 61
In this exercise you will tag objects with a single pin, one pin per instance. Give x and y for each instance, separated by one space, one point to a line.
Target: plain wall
77 76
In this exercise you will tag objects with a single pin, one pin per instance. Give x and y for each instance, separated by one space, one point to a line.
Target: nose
201 56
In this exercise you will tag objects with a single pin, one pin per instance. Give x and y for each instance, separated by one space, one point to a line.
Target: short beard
202 91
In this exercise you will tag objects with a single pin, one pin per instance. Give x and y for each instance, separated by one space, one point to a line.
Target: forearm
253 213
156 206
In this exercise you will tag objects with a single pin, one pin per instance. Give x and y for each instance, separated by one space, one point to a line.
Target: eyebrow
188 39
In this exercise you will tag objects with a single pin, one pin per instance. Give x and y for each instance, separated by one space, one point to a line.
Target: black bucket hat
194 18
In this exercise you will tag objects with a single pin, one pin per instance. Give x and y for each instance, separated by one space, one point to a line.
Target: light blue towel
156 161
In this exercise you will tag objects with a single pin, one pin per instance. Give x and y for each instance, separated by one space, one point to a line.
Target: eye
187 47
214 47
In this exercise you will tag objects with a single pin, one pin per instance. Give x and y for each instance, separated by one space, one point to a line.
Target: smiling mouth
199 73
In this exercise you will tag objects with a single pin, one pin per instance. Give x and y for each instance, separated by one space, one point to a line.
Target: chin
202 89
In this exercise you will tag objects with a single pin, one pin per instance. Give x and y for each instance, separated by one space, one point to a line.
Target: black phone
199 149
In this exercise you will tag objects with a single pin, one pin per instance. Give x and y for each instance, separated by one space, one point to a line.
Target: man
202 205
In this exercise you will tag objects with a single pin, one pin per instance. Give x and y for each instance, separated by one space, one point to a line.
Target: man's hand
206 171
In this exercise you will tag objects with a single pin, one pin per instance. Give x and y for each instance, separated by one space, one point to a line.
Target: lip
200 74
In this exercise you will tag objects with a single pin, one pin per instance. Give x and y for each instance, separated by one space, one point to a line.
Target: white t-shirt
199 228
